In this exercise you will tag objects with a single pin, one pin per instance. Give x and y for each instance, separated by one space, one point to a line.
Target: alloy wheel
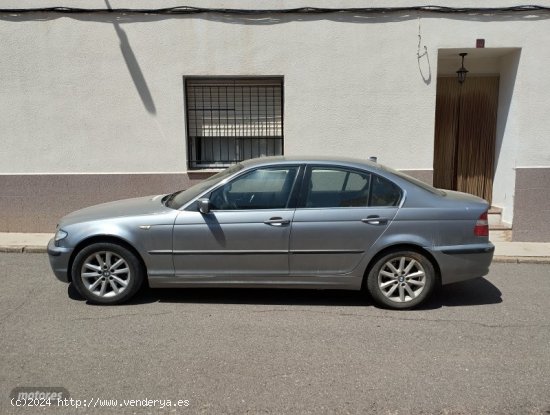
401 279
105 274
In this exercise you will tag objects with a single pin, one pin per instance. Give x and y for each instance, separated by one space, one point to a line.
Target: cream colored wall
70 95
509 136
96 94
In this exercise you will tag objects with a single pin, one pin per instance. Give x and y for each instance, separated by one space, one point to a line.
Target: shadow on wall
423 58
508 70
133 67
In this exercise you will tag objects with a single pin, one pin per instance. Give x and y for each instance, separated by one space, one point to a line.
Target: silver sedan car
283 223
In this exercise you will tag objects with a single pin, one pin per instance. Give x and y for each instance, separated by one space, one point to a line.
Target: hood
149 205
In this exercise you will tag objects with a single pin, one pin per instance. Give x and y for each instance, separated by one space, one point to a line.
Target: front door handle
277 221
375 220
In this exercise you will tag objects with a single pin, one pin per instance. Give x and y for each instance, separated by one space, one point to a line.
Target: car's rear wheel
401 279
107 273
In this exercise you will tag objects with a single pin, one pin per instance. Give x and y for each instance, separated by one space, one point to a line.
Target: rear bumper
463 262
59 260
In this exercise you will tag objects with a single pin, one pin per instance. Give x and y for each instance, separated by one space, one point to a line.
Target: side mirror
204 206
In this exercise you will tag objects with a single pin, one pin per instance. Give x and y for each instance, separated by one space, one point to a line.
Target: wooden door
465 130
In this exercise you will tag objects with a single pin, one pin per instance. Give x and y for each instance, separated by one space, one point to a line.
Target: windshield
178 199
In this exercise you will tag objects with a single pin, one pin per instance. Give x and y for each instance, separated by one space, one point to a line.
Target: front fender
144 234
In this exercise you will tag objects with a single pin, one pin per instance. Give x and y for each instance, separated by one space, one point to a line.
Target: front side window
263 188
231 120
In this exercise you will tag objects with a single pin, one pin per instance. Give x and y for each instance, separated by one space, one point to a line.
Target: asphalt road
479 347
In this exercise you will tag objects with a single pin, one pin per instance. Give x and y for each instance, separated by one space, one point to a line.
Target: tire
401 280
107 273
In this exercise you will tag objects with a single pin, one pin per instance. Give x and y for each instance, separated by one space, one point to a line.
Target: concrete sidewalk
515 252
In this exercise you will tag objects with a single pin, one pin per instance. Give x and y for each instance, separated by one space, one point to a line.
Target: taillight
482 226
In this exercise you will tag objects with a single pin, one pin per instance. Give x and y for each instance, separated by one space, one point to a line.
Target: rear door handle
375 220
277 221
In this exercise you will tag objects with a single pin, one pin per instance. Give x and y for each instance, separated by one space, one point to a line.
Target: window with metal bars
233 119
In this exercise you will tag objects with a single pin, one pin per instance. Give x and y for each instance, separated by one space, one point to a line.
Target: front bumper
59 260
463 262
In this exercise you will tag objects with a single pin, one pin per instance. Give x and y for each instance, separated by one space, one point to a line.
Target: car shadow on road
468 293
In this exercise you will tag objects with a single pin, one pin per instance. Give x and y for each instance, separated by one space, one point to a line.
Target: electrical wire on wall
423 58
184 10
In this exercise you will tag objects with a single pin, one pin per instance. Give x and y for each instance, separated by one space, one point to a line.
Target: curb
10 248
35 249
31 249
501 259
522 259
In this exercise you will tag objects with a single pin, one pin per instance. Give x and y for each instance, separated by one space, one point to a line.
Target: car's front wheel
401 279
107 273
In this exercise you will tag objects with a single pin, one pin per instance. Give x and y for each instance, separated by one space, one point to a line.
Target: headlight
60 235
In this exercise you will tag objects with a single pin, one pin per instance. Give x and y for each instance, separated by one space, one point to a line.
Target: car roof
337 161
418 188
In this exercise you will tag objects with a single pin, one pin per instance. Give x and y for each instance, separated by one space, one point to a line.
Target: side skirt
295 282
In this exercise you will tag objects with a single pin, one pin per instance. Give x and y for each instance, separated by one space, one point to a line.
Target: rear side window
384 192
333 187
337 187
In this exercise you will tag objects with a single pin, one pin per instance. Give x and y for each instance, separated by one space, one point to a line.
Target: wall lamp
462 71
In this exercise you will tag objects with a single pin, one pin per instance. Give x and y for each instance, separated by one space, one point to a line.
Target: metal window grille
230 120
